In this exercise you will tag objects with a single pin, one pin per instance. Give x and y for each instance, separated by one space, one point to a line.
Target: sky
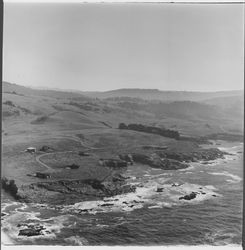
99 47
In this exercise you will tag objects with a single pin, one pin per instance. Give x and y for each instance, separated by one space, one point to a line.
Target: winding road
45 154
73 138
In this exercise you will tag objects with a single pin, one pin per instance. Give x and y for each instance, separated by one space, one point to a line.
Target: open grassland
118 140
17 163
99 143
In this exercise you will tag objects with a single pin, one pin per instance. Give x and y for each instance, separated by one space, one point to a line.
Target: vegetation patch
10 113
10 187
88 106
9 103
46 149
152 130
40 119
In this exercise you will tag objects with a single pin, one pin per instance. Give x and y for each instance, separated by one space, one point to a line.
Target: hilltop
155 94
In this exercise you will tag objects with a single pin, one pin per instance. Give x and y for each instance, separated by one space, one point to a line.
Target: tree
122 126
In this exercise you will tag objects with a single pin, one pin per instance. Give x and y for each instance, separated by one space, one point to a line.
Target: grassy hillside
230 104
48 109
25 91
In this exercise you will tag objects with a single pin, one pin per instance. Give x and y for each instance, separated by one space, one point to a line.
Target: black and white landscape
122 124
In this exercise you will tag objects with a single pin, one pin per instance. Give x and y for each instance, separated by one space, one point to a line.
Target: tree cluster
152 130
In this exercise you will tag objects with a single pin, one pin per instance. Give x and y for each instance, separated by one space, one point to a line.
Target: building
31 150
43 175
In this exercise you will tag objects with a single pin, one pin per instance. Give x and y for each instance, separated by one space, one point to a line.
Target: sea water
146 217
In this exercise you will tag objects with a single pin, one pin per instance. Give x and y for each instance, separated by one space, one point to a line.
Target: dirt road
45 154
73 138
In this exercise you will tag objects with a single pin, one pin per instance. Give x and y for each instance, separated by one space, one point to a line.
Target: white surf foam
5 239
76 241
11 228
191 167
232 150
234 178
221 238
154 193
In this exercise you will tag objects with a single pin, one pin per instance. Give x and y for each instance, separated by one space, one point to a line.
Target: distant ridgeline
152 130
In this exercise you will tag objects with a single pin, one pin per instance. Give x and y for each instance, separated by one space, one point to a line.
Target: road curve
73 138
45 154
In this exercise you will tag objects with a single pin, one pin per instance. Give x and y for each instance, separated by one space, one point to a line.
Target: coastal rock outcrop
171 159
72 191
190 196
194 156
31 230
155 161
127 157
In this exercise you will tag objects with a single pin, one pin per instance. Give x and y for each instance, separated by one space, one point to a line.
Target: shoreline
123 207
5 239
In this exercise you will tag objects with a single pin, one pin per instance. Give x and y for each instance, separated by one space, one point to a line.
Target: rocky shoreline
173 160
154 160
115 193
31 229
72 191
209 154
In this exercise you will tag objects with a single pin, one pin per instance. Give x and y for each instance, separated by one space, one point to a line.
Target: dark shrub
9 186
9 103
152 130
73 166
122 126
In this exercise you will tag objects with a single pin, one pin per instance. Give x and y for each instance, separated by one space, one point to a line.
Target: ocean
153 215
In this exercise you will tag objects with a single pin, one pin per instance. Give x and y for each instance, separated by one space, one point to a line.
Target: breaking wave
234 178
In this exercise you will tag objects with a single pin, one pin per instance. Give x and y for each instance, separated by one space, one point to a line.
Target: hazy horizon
164 90
90 47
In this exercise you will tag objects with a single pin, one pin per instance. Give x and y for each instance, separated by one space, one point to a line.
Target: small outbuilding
46 149
81 153
43 175
72 166
31 150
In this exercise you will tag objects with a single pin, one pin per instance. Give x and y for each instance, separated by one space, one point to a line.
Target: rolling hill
168 96
189 112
